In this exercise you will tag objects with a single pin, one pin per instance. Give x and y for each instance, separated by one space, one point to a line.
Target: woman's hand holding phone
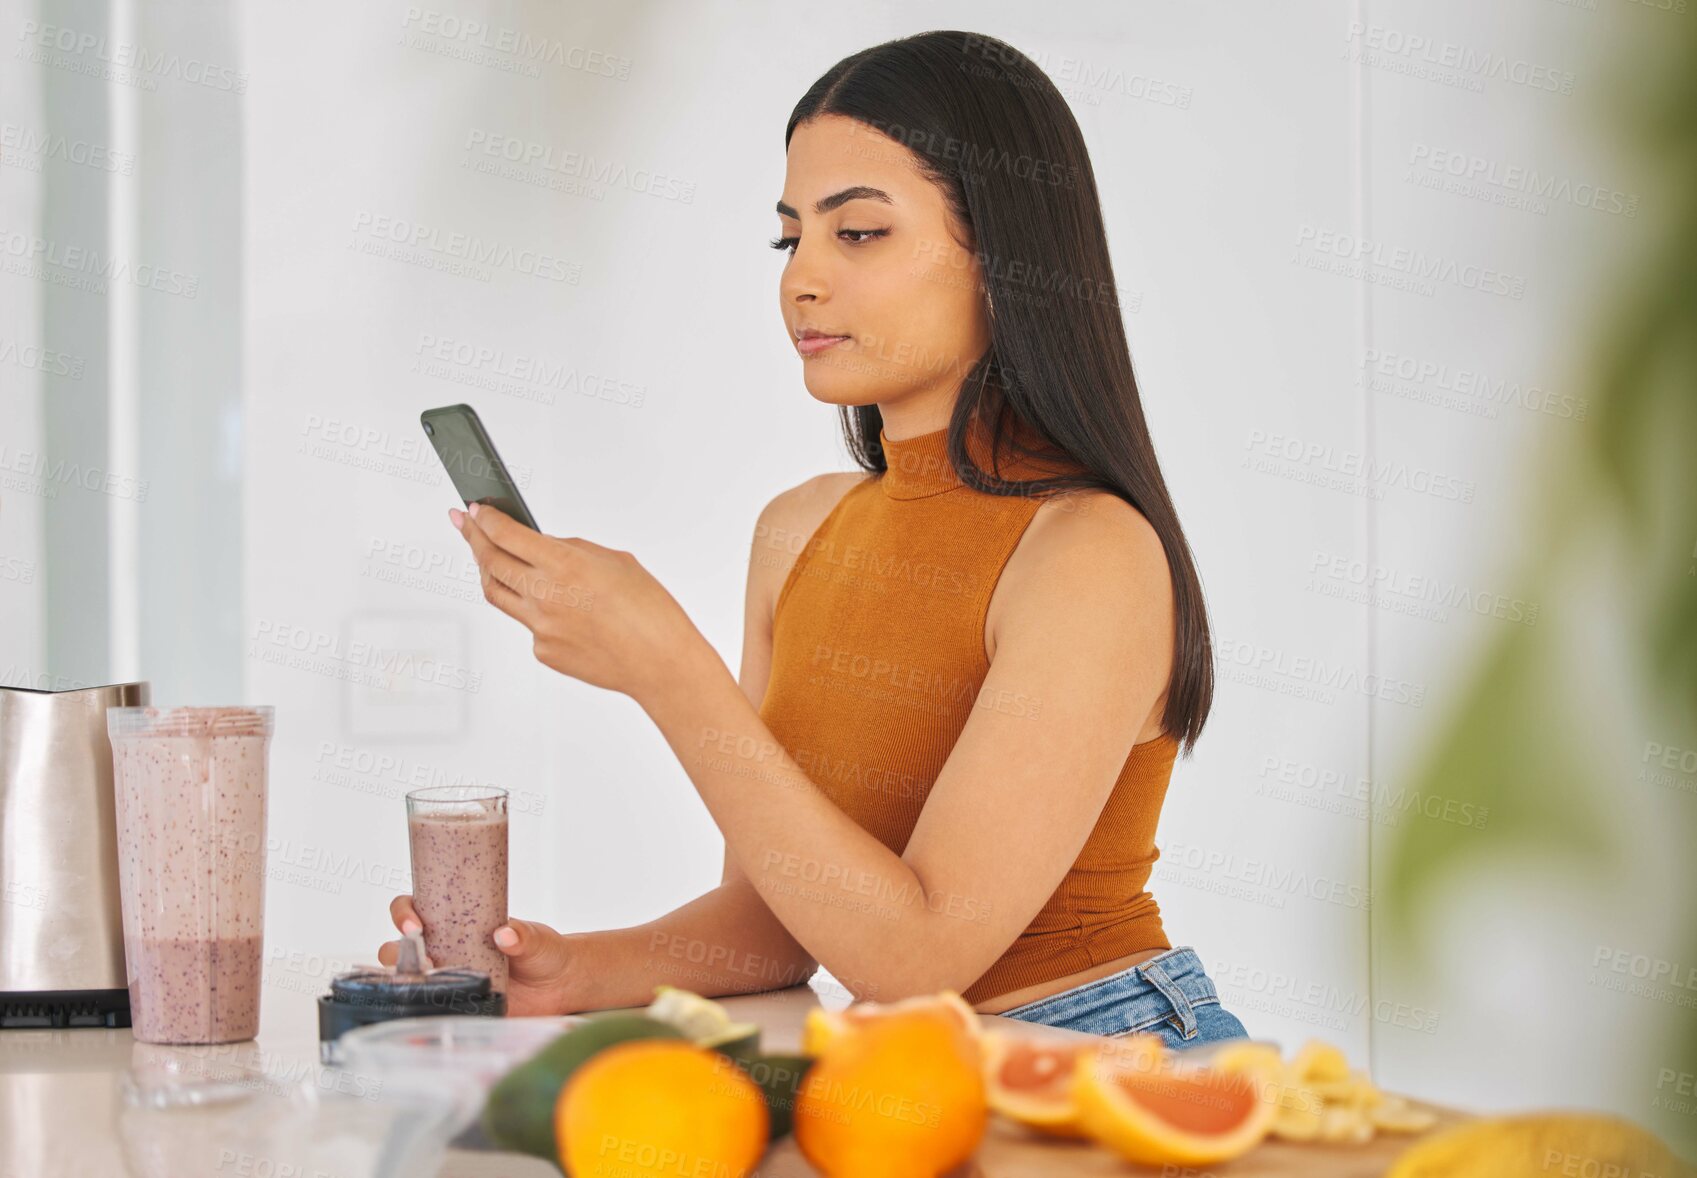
594 613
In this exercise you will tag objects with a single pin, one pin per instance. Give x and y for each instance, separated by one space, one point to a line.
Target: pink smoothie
459 888
190 806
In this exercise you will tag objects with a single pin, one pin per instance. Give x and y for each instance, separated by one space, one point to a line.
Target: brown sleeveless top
877 660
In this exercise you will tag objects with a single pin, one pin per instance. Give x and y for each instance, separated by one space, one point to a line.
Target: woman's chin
828 392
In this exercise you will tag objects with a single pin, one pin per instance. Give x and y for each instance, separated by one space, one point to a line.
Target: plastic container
426 1051
208 1110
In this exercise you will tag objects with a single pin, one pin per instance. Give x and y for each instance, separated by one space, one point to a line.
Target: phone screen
469 457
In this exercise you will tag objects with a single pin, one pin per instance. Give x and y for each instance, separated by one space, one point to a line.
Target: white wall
335 335
1234 147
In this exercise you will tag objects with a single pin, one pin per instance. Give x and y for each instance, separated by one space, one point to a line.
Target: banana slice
1396 1115
1319 1061
1345 1125
1298 1119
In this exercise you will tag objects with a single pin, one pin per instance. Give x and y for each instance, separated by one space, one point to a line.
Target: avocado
519 1113
737 1040
779 1079
705 1022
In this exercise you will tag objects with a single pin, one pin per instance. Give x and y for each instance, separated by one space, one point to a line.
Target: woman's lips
814 344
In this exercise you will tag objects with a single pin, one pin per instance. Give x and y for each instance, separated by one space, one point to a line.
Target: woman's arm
1080 653
726 941
1082 640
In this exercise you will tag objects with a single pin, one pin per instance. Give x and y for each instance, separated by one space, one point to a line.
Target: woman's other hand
539 960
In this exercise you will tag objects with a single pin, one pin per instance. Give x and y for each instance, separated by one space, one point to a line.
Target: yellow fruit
1169 1115
1356 1092
1030 1080
899 1095
1259 1062
819 1028
1299 1116
1345 1124
1259 1059
1326 1101
1320 1062
1539 1146
821 1025
1393 1114
660 1107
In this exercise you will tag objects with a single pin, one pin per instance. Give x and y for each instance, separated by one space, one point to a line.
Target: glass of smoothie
458 835
190 804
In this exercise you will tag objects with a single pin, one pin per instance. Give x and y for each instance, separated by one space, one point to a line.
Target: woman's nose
805 277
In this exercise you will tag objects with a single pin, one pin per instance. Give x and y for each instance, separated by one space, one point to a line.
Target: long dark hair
991 131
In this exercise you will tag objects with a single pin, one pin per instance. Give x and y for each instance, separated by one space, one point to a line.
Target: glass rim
457 793
135 709
144 720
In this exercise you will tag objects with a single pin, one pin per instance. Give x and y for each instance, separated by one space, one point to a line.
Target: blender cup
191 786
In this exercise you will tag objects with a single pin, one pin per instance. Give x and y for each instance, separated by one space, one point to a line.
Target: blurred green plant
1617 539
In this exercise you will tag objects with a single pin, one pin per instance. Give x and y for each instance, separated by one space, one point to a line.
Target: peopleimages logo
40 474
1274 878
1384 43
43 360
36 146
565 164
510 49
1644 967
1259 660
462 247
1355 469
1485 388
127 55
1466 166
1413 263
362 662
32 256
1379 579
519 374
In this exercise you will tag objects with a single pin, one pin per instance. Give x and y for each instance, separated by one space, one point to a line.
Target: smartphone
477 471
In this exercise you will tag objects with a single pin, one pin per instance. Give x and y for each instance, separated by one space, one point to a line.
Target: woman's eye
862 236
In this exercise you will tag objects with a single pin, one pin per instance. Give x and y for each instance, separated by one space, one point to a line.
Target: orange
1298 1113
898 1095
659 1107
1136 1100
821 1025
1031 1080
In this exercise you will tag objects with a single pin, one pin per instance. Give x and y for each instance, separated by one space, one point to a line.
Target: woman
967 668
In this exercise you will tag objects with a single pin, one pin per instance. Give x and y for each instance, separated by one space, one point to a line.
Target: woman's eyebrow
837 199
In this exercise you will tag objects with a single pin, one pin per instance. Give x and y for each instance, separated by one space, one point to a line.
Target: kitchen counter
61 1103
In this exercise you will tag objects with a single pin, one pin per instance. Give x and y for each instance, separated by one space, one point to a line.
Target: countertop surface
63 1111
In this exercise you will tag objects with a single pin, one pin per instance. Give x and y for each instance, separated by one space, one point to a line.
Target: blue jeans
1169 995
